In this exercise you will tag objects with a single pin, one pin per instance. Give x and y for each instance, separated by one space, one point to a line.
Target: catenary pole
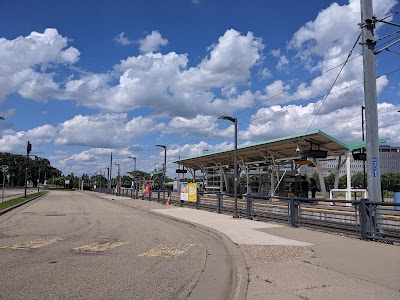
370 96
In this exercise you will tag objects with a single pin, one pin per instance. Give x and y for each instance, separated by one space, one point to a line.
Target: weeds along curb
22 203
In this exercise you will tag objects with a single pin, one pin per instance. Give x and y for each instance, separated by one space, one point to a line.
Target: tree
357 180
330 181
16 168
390 179
343 181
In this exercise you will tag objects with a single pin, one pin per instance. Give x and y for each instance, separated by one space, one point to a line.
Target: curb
240 280
22 203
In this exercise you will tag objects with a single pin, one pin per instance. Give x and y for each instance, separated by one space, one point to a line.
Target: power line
392 51
334 82
389 16
272 97
297 85
388 35
272 113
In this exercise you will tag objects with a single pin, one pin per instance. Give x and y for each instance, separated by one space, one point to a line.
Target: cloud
103 130
229 62
322 52
344 124
152 42
265 73
8 114
120 39
201 125
189 150
282 63
276 53
164 84
15 142
21 57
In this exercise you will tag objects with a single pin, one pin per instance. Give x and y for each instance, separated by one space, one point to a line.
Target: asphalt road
71 245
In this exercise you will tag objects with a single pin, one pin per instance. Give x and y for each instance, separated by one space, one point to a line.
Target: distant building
389 162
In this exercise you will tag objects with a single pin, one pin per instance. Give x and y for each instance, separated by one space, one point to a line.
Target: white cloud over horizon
149 92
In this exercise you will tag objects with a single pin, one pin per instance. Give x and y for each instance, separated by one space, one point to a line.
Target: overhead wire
306 101
263 101
392 51
286 90
389 16
388 35
334 82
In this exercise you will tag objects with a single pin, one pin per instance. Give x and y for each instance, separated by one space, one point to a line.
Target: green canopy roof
280 148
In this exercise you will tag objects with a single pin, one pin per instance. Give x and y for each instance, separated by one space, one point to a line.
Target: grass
16 201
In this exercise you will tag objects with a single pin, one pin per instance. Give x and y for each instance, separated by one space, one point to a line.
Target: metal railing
368 220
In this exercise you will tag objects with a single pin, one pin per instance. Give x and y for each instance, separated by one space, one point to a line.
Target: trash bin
396 197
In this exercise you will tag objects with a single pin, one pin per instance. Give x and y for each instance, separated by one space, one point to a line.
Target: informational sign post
192 192
189 192
184 192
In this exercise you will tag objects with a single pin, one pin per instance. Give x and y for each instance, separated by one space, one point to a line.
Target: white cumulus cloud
152 42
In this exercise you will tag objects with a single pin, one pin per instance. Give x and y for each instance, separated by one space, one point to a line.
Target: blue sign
375 166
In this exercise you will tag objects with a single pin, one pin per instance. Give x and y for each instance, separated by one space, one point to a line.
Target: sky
82 79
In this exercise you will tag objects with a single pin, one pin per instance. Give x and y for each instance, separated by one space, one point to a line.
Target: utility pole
109 182
370 96
28 150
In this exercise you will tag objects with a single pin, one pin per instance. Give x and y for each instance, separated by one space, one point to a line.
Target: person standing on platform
313 188
304 187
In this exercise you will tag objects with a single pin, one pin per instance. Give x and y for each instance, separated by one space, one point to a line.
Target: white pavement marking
240 231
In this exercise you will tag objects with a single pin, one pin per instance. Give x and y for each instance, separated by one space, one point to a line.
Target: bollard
198 201
293 209
249 207
363 219
158 196
219 203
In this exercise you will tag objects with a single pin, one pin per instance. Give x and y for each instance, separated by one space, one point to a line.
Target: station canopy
290 147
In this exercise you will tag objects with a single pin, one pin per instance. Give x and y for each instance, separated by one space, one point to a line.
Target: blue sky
82 79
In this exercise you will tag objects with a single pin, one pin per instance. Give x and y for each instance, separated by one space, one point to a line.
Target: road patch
167 250
99 246
33 244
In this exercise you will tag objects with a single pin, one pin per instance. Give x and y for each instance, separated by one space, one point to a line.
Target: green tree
357 180
343 181
330 181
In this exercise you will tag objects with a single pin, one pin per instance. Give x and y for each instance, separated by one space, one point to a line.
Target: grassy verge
15 201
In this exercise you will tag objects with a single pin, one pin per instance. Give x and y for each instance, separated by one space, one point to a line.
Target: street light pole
4 168
119 176
28 150
234 121
134 171
108 178
204 175
164 169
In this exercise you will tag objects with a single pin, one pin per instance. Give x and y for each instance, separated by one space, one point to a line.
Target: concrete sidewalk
292 263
